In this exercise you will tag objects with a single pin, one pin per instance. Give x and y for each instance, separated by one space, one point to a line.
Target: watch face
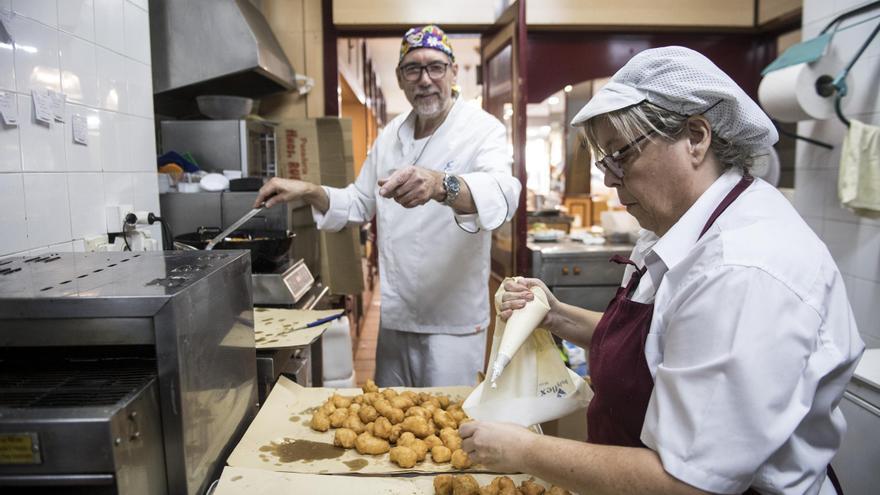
452 189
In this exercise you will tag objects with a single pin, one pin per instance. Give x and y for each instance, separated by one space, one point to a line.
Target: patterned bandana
430 36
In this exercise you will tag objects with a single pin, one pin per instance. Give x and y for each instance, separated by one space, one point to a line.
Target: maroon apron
620 376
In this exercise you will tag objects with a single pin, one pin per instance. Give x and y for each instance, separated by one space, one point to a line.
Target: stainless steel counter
578 273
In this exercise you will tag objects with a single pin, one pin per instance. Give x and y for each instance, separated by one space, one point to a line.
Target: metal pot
268 247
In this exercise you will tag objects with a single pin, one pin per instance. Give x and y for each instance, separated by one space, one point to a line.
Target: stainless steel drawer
577 271
595 298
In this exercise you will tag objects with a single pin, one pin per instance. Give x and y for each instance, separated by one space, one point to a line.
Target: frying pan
267 247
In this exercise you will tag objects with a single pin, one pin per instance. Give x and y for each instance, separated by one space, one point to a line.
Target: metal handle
222 235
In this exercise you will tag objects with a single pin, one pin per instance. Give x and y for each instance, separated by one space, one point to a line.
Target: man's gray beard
430 108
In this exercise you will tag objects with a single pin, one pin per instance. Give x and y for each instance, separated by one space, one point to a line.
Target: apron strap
636 276
734 193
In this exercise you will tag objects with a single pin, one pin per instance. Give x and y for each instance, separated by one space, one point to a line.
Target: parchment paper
273 327
248 481
286 415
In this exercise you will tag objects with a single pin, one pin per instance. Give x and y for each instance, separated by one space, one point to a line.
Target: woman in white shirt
719 364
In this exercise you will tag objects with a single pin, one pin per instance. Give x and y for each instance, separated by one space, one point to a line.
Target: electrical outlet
116 216
93 243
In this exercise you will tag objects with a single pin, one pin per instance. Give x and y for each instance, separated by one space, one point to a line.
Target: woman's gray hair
638 120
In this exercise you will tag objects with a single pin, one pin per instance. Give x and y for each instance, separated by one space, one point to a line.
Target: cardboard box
320 151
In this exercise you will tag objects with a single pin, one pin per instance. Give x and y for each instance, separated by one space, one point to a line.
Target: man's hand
413 186
500 447
281 190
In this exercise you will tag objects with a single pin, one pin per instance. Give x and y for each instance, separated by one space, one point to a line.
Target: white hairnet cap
686 82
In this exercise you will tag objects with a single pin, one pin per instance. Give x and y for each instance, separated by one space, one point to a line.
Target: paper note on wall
80 129
42 106
58 100
8 110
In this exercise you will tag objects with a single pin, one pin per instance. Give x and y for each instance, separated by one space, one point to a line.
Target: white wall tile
815 10
77 17
87 213
46 200
112 143
7 67
109 24
42 145
868 254
807 155
44 11
83 157
13 222
864 98
144 4
140 88
863 299
112 80
141 145
6 5
840 237
36 55
137 33
809 192
146 191
79 70
118 189
10 151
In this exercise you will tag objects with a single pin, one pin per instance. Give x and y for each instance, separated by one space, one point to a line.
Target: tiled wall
53 192
853 241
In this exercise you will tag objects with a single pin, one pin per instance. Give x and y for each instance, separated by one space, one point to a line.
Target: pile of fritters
415 423
446 484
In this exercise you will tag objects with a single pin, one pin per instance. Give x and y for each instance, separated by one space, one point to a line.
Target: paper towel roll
789 94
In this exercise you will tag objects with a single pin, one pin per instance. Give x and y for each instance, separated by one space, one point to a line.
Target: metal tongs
238 223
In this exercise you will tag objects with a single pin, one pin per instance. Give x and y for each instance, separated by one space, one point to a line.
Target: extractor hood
215 47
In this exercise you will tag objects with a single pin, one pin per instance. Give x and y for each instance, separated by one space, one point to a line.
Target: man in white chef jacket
438 180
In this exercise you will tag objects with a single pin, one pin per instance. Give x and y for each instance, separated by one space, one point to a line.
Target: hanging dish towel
859 181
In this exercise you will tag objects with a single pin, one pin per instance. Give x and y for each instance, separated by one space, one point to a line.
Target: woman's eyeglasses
413 72
614 162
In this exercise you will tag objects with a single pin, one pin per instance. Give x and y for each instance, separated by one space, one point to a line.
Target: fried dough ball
413 396
368 414
444 401
354 408
395 415
389 393
382 406
555 490
320 421
344 438
353 422
417 411
358 399
444 420
418 425
443 484
430 408
529 487
465 485
370 428
460 459
404 457
440 454
506 486
492 488
382 428
451 439
340 401
337 418
420 448
405 437
368 444
432 401
396 430
370 386
433 441
371 397
328 407
402 402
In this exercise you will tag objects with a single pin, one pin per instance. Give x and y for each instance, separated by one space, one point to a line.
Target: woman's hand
517 292
498 446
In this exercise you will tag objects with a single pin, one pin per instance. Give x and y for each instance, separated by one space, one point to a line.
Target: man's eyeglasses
413 72
614 162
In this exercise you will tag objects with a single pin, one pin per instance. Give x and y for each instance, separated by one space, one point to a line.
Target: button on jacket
434 265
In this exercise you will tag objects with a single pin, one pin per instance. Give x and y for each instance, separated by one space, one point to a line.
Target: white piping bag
519 326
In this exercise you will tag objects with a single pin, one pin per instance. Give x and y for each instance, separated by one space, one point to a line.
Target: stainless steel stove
122 372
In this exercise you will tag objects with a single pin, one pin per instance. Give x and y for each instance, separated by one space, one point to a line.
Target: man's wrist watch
452 188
